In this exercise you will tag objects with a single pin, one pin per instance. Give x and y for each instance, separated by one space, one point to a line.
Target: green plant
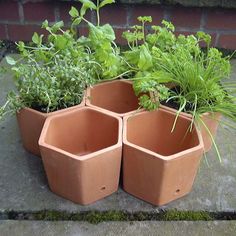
198 77
147 82
100 41
52 75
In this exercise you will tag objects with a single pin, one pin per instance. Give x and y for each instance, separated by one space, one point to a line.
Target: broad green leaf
11 61
83 10
105 2
60 42
73 12
88 4
36 38
145 58
108 32
76 21
57 26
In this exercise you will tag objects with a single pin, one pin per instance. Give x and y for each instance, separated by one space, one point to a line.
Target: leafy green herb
52 75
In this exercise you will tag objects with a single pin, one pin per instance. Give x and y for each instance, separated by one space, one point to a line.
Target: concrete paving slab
145 228
23 184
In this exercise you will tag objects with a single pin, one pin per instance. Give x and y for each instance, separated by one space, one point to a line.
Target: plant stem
143 29
97 10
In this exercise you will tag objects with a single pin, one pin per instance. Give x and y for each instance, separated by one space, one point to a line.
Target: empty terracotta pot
81 153
210 122
116 96
31 123
159 166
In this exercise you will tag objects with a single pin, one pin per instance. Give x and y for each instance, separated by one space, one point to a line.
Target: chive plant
200 77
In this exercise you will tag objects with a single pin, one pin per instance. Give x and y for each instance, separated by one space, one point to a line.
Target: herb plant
140 57
101 41
199 78
52 75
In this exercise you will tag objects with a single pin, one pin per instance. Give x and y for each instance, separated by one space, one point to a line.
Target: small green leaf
57 26
88 4
11 61
83 10
76 21
45 24
105 2
36 38
73 12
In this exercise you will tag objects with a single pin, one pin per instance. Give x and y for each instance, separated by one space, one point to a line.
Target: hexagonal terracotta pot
31 122
211 121
208 126
81 152
116 96
159 166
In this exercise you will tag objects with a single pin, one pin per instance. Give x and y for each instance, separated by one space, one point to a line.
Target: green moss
96 217
186 215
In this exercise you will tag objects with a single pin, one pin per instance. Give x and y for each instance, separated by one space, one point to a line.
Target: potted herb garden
182 88
176 72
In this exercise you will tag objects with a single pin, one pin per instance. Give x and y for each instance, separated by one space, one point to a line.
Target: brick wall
19 19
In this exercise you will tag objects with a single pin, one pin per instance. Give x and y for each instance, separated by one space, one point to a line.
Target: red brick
83 31
227 41
202 44
156 12
9 11
221 19
186 17
114 15
24 32
39 11
3 32
119 39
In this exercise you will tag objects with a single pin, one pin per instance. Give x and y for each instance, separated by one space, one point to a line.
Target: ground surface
24 191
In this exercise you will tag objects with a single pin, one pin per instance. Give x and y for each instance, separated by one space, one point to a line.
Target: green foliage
52 75
141 57
101 41
199 76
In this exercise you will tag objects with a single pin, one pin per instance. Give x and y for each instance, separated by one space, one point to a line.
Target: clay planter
159 166
211 121
31 123
116 96
81 152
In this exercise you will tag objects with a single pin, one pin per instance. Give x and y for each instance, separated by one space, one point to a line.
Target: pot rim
54 112
198 147
88 101
42 142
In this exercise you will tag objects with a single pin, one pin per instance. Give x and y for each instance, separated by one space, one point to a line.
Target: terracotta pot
211 121
31 123
81 152
159 166
116 96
